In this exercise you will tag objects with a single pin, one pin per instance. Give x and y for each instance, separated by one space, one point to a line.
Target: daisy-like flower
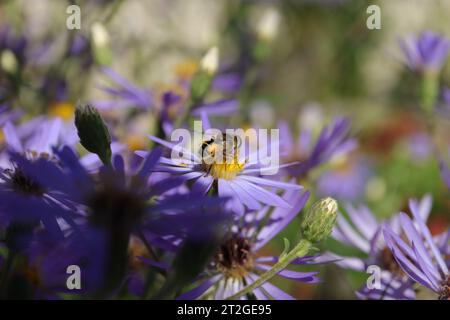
235 177
420 255
364 233
333 141
426 52
26 203
38 137
238 261
110 206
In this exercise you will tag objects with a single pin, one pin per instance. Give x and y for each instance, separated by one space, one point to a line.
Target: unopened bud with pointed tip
319 220
93 133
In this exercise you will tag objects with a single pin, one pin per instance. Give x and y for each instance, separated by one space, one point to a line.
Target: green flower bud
93 133
319 220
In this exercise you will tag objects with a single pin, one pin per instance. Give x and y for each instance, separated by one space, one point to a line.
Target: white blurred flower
210 61
100 35
8 61
268 24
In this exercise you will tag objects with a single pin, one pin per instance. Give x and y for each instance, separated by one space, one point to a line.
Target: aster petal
275 292
426 233
12 138
367 227
411 270
432 280
414 237
352 237
286 216
202 184
270 183
307 277
226 191
262 195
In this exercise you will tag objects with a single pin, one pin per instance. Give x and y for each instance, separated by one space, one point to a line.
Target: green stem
429 91
300 250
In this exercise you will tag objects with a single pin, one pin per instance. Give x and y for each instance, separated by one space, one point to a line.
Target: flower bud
100 35
210 61
268 25
93 133
8 61
319 220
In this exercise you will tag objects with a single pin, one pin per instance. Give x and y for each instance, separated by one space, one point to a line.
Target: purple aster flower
26 202
37 136
127 94
347 182
237 262
235 178
426 52
364 233
420 255
107 208
332 141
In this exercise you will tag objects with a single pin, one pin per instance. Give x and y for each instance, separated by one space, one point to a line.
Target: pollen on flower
444 293
227 171
135 142
64 110
221 160
234 258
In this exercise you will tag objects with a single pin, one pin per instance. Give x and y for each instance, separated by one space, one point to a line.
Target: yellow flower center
227 171
186 69
64 110
135 142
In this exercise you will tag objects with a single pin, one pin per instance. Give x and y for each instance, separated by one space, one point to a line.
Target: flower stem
429 91
300 250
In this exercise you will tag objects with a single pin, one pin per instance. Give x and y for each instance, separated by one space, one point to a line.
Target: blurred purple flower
419 255
102 212
345 183
426 52
126 94
420 147
332 141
